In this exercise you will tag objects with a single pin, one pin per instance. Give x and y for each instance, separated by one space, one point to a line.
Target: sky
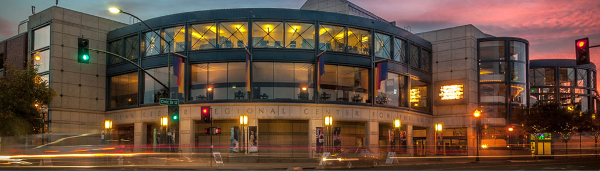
550 26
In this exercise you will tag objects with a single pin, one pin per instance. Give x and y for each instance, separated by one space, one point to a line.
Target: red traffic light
204 111
217 130
205 114
581 43
582 51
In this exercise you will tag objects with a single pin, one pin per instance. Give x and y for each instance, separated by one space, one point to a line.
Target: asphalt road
552 164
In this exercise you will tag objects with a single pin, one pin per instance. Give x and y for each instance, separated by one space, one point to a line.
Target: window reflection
153 90
267 34
492 71
491 50
418 95
124 90
202 36
177 37
332 38
218 81
41 37
151 44
382 45
518 94
582 103
359 41
392 91
566 76
425 58
233 34
115 47
414 55
282 80
492 93
132 47
299 35
345 84
582 80
41 59
543 77
518 72
399 50
517 51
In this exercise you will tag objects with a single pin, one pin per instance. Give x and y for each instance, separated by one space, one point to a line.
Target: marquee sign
451 92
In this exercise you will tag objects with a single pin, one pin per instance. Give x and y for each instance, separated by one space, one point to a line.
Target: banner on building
252 139
320 139
391 140
235 143
337 139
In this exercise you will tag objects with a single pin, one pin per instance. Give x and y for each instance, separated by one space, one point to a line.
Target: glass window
391 91
566 76
491 50
399 50
517 92
382 45
177 37
332 38
494 111
492 93
518 73
151 44
124 90
41 37
132 47
115 47
414 55
236 80
418 95
543 77
592 77
199 80
153 91
582 80
425 58
41 59
217 81
359 41
202 36
582 103
517 51
268 34
345 84
492 71
233 35
282 80
299 36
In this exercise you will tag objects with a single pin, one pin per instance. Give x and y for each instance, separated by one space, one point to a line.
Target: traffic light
205 114
217 131
582 51
83 47
212 130
173 115
207 131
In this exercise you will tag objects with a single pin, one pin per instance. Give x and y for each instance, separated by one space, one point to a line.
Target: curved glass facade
563 81
502 76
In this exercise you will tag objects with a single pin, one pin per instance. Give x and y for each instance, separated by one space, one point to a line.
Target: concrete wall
14 51
81 88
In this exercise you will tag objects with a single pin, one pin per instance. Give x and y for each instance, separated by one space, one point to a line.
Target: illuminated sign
415 95
451 92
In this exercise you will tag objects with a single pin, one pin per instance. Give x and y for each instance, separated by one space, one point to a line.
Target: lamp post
107 130
477 115
397 124
510 130
243 124
438 128
328 124
164 123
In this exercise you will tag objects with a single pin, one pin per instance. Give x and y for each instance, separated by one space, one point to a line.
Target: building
252 62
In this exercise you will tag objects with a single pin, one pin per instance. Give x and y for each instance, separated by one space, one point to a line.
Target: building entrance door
420 147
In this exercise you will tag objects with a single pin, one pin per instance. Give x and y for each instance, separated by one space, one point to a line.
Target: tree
591 125
21 91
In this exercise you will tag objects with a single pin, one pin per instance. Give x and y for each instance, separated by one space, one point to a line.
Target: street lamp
438 128
477 115
243 124
328 124
510 130
397 124
107 129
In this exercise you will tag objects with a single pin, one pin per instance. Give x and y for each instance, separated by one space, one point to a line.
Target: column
139 136
312 135
372 136
409 140
430 141
186 135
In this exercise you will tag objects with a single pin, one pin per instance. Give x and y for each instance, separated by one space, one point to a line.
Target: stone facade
81 88
14 51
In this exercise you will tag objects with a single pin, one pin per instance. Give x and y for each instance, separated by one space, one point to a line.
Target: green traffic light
175 117
86 57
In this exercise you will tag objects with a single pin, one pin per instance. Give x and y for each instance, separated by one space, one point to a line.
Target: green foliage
21 90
